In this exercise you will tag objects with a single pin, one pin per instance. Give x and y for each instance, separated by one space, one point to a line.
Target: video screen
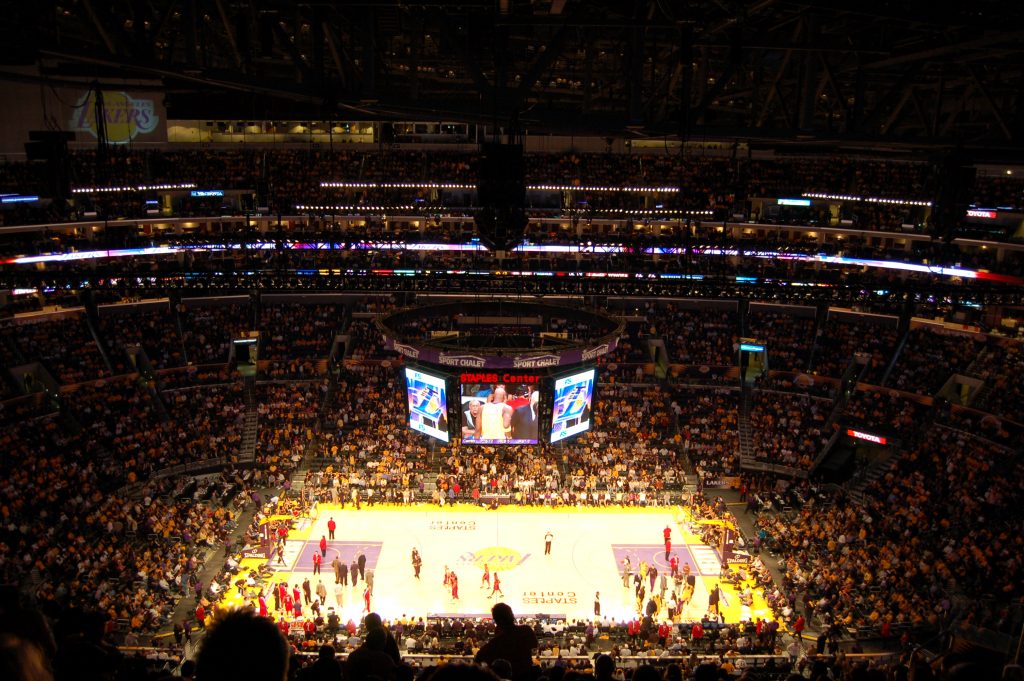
428 403
574 396
500 413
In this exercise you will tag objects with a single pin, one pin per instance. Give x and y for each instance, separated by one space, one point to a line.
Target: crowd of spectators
209 421
708 424
630 454
209 329
298 173
787 428
121 419
82 546
629 457
633 455
788 337
364 452
878 409
154 328
63 344
800 384
288 414
631 353
993 191
440 649
185 377
841 338
924 351
1001 365
839 175
297 330
365 341
900 557
292 177
625 458
999 430
698 337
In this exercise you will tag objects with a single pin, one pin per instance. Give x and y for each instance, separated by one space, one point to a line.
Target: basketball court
586 556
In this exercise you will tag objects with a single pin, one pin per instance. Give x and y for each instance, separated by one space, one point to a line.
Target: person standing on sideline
627 571
307 592
697 635
799 626
713 598
321 591
362 566
417 563
336 565
547 543
597 604
331 527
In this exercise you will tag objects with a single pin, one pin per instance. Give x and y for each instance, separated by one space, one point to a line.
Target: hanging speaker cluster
501 190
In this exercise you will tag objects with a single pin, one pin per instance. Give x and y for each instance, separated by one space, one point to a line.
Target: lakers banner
133 110
124 117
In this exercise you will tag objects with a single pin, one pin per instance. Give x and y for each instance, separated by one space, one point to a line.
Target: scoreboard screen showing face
499 408
573 400
428 403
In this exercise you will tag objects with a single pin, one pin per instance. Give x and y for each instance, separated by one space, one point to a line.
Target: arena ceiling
856 71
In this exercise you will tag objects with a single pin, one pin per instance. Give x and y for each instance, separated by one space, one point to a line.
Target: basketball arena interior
692 332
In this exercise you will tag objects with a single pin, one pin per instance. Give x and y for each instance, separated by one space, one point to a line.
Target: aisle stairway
213 562
745 432
251 429
876 470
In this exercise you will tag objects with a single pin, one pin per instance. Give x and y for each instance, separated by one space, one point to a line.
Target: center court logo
498 558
